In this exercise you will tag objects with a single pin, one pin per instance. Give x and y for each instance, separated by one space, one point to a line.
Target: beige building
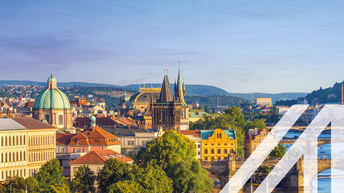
195 136
264 101
26 144
253 139
95 160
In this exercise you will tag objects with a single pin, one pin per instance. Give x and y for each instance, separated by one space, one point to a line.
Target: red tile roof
195 133
63 139
31 123
100 156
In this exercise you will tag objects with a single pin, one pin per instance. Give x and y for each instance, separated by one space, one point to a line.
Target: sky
240 46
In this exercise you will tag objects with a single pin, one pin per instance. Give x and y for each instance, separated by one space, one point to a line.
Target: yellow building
253 139
25 145
264 101
218 144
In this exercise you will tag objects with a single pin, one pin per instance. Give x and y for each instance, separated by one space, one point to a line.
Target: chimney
217 101
342 94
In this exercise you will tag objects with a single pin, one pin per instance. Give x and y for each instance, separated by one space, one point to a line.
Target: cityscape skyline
263 46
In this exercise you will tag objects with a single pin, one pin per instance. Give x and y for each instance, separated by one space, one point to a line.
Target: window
143 142
219 151
199 146
219 144
60 119
225 143
198 153
82 150
219 158
73 150
232 151
225 151
206 158
212 151
75 168
98 169
205 151
128 142
132 142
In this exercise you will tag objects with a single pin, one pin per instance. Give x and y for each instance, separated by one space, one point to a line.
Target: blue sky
240 46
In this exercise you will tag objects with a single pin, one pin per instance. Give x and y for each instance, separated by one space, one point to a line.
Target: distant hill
191 90
330 94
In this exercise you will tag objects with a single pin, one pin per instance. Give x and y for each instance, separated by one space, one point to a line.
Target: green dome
52 99
51 78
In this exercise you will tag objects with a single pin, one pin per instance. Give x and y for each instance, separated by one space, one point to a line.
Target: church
52 106
170 111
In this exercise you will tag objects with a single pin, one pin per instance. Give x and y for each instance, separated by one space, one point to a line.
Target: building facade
53 106
253 139
26 144
170 112
218 144
195 136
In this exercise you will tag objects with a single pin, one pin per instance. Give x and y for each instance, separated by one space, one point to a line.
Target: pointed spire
180 89
165 93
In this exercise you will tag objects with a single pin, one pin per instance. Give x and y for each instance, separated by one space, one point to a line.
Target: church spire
165 93
180 89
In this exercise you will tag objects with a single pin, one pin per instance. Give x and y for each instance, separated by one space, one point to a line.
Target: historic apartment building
218 144
26 144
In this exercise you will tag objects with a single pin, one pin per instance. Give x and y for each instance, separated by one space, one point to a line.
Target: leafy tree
278 151
18 184
152 179
206 109
51 173
264 170
274 115
59 188
32 185
112 172
257 123
166 150
188 175
125 186
84 180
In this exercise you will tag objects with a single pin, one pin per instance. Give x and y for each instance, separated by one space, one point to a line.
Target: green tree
152 179
264 170
188 175
273 115
256 123
126 186
166 150
83 180
206 109
278 151
112 172
59 188
51 173
17 184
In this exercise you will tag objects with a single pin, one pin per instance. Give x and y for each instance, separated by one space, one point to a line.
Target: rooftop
100 156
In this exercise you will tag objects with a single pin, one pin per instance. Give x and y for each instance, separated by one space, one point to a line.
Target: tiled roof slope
100 156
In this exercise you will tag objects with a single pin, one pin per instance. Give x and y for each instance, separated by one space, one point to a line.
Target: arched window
2 157
17 140
24 140
14 141
17 156
21 156
9 157
205 151
5 157
225 151
9 141
219 151
232 151
2 141
212 151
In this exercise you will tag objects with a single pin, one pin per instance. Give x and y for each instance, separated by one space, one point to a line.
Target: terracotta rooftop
31 123
100 156
195 133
